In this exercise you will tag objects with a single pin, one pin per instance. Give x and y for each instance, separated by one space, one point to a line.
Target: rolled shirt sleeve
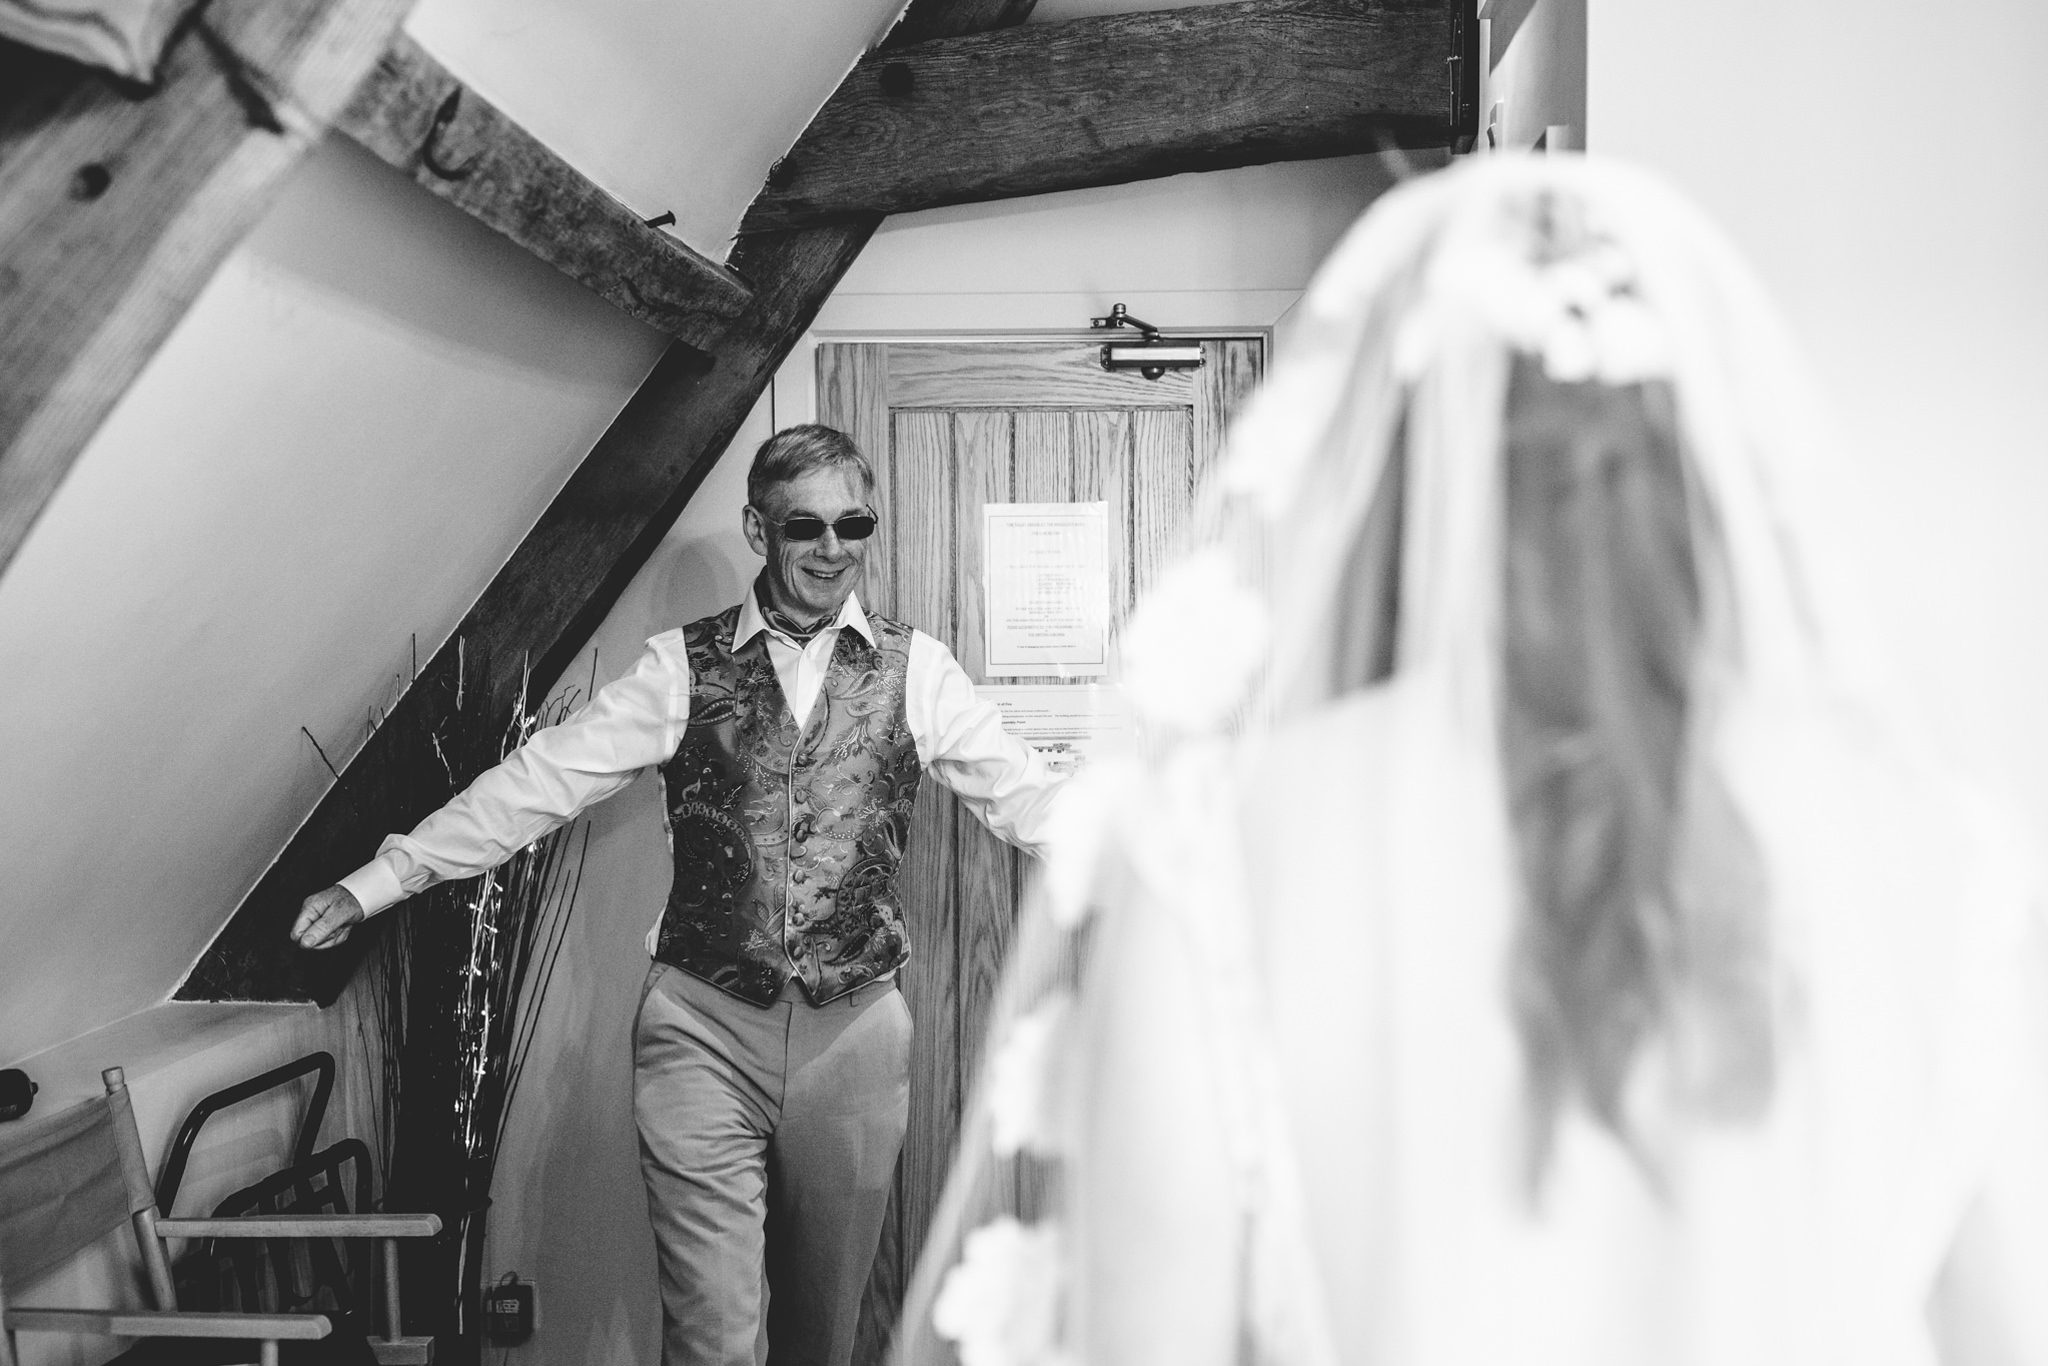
560 772
1008 785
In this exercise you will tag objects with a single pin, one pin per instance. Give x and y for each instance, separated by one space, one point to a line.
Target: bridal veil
1532 934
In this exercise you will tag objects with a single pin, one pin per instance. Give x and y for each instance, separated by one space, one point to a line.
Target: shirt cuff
374 886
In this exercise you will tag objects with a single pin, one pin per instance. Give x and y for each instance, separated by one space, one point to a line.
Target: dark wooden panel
1045 456
1231 370
925 473
987 443
417 117
1102 473
1116 98
990 454
1162 486
928 19
928 985
1044 474
853 396
927 982
117 204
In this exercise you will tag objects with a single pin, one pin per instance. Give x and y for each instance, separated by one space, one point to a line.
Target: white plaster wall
1257 228
1536 77
1874 168
669 104
335 450
1229 250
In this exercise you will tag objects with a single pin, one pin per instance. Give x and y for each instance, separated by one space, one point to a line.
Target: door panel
951 427
1026 374
930 540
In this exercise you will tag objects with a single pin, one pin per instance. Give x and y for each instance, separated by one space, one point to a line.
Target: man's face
809 579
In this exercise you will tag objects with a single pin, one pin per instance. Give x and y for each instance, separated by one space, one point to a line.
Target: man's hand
326 919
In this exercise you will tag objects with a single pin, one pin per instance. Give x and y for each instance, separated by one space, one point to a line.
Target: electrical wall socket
505 1326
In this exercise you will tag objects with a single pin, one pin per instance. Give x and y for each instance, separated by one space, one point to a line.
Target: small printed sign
1071 724
1047 575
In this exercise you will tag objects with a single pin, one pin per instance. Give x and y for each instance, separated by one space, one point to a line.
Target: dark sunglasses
854 526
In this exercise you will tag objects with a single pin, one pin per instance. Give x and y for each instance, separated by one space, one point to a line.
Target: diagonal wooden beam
117 203
1121 97
417 117
929 19
553 593
545 603
557 587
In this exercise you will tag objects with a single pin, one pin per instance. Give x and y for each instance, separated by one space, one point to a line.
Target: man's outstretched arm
559 773
1008 785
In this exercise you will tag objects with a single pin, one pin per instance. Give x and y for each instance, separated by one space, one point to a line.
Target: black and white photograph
1023 683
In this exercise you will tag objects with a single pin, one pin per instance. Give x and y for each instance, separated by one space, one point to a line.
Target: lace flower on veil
1581 313
1024 1110
1406 342
1000 1303
1192 650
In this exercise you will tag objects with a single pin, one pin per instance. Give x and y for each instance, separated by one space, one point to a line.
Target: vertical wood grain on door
951 427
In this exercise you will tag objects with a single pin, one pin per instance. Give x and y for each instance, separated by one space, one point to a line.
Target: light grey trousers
768 1140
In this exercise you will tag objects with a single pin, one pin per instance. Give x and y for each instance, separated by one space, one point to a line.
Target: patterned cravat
802 635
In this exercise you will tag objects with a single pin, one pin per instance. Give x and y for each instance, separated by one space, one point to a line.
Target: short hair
796 451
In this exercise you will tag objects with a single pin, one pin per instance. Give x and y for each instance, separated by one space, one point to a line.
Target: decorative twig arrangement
461 976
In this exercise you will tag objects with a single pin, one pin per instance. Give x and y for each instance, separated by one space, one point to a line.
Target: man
772 1050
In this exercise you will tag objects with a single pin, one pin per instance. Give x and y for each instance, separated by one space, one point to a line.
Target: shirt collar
751 623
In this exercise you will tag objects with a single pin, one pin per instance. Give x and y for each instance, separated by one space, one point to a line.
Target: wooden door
950 427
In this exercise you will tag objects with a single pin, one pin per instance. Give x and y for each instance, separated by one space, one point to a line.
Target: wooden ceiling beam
1103 101
117 203
929 19
417 117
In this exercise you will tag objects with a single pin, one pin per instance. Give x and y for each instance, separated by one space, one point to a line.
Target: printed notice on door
1069 723
1047 571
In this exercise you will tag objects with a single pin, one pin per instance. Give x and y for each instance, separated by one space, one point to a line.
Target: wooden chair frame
267 1330
392 1348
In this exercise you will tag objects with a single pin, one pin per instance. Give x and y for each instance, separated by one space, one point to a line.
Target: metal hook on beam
430 149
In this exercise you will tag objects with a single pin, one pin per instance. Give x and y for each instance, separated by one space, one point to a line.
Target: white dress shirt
637 722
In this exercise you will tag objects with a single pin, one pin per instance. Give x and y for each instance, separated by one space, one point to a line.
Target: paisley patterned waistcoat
786 833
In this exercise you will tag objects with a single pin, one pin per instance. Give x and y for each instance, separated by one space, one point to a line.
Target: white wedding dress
1254 1094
